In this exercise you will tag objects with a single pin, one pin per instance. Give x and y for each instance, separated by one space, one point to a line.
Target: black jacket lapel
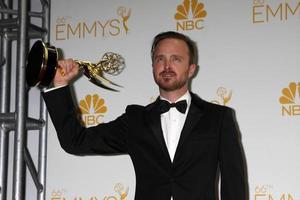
153 120
194 115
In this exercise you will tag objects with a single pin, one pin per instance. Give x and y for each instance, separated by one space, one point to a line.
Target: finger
65 66
61 71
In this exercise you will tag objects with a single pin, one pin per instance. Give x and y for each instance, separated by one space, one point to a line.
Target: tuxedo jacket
209 147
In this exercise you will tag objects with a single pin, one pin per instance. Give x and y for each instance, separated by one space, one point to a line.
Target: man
177 152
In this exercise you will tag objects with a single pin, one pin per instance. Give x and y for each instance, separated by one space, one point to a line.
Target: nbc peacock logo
290 100
91 110
190 15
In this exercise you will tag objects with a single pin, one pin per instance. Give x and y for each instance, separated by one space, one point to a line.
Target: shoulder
136 109
208 106
212 111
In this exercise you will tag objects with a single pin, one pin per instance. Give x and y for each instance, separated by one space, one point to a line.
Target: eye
159 59
177 59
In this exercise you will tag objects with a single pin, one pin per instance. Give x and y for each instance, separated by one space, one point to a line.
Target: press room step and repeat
249 59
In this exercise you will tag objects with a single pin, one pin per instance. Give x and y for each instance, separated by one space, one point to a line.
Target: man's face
171 68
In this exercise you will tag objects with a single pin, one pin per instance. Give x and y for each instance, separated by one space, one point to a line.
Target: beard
168 81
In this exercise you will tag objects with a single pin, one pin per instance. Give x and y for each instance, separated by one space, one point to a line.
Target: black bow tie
165 106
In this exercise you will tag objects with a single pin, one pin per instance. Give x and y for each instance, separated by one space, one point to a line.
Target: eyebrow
162 55
157 56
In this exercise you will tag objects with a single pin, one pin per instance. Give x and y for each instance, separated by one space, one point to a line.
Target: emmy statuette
42 65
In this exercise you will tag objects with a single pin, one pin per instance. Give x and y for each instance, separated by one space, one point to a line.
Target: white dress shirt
172 123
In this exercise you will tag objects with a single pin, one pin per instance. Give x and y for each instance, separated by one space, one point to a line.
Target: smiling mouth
168 74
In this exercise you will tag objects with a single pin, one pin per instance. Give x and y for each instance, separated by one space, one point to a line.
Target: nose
167 64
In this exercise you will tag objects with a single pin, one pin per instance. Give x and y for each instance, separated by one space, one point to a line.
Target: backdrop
248 58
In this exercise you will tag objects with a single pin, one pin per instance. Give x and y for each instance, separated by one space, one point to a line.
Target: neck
172 96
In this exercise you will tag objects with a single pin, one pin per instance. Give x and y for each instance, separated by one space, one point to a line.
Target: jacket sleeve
106 138
232 163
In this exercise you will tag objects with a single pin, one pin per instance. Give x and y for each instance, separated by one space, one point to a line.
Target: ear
192 70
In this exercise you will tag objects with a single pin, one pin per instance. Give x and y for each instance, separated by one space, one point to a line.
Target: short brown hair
193 52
